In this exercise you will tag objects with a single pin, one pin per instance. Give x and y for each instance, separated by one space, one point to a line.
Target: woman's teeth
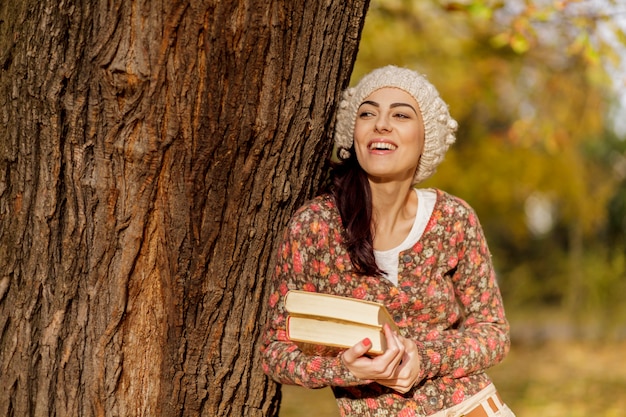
383 146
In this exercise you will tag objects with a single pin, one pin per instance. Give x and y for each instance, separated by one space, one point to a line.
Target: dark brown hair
352 193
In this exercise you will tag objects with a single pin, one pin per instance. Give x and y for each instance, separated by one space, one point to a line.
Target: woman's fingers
383 366
394 352
356 351
397 368
408 371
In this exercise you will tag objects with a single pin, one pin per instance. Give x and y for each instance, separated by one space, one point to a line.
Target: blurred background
538 89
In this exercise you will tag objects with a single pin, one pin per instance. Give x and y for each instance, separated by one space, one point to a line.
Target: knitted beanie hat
439 126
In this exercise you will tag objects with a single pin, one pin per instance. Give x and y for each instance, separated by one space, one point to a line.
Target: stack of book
331 320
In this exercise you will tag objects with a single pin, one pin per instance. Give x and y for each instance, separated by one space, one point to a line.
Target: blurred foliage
530 85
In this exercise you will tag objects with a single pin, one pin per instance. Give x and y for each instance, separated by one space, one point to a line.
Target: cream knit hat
439 126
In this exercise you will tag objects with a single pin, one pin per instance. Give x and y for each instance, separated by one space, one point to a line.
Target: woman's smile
382 145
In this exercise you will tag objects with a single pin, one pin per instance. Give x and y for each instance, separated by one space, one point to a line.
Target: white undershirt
388 260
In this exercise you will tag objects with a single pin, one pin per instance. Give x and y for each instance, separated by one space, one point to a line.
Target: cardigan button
433 400
407 258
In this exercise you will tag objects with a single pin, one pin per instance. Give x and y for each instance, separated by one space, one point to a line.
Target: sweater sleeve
482 338
299 263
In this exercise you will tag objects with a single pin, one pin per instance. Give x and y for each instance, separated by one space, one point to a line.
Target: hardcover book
336 321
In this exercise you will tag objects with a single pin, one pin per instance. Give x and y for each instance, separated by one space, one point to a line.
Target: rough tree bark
150 153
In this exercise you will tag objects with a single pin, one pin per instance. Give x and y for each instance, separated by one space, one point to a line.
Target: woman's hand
397 368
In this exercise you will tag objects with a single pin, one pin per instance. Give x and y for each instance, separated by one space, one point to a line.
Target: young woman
421 252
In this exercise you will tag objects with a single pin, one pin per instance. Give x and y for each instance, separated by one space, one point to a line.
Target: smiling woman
420 252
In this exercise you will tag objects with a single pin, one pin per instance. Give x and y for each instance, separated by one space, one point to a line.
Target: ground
548 379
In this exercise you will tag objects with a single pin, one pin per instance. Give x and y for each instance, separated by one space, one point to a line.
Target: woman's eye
365 114
402 116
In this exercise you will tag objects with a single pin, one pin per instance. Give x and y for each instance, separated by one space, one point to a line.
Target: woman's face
389 135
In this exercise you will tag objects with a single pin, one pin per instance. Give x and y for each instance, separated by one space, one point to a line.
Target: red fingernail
367 342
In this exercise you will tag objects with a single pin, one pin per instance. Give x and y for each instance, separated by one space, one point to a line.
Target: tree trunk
150 153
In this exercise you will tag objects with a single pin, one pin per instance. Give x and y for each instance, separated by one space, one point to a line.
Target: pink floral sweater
447 301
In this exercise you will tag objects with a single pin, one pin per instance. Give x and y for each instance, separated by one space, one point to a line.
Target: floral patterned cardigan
447 300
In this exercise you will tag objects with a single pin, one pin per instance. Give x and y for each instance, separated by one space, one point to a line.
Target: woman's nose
382 124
